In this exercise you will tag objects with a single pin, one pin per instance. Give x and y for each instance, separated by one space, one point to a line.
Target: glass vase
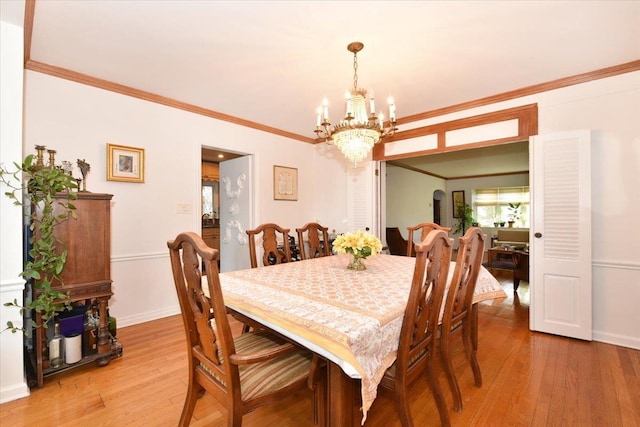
356 264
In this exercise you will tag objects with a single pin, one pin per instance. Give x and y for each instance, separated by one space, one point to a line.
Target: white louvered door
560 275
362 197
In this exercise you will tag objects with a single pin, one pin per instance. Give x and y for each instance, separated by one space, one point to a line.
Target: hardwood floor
529 379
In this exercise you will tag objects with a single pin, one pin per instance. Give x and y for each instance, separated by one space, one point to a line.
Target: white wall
12 380
10 146
78 121
610 108
410 198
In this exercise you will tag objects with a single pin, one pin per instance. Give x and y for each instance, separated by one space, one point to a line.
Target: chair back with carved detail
275 243
459 316
242 373
419 325
317 240
425 228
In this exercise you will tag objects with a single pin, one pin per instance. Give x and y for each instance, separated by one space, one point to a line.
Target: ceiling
272 62
216 156
494 160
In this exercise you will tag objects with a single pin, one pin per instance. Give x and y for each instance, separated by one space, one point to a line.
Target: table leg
341 397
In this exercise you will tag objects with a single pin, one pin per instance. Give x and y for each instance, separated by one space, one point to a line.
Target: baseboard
148 316
621 340
14 392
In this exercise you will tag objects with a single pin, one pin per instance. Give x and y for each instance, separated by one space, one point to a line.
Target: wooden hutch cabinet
211 236
86 276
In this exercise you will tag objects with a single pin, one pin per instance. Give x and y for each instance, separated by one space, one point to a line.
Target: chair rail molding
627 265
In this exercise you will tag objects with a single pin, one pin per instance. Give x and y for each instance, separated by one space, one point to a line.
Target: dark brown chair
459 315
317 247
275 242
425 228
396 243
242 373
420 325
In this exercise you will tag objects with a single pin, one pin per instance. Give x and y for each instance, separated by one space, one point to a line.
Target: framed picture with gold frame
458 202
125 163
285 183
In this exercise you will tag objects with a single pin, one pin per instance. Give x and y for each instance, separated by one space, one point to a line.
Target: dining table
350 318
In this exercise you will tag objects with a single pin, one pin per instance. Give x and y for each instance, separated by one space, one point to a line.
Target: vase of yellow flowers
360 244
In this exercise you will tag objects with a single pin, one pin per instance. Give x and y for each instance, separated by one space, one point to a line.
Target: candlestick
40 158
325 103
52 158
372 105
392 110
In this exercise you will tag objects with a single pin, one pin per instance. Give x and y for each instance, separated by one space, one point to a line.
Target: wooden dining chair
425 228
253 369
459 315
275 242
317 248
396 243
419 326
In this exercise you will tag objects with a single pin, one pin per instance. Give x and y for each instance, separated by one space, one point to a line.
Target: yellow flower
359 243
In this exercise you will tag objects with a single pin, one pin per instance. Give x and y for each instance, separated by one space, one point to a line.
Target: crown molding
151 97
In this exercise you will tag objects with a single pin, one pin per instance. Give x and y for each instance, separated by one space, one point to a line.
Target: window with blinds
493 206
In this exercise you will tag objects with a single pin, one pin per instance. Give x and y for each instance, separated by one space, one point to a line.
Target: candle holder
40 159
52 158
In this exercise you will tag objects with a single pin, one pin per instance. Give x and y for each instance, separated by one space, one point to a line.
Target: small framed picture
125 163
458 202
285 183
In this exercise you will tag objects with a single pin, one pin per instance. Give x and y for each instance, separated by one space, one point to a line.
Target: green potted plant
465 218
35 186
514 213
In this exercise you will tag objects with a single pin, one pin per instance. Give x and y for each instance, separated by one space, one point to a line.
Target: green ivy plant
39 185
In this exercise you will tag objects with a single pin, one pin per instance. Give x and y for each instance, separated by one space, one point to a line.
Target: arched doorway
438 196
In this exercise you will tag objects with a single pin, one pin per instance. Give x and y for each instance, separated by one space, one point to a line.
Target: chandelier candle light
357 133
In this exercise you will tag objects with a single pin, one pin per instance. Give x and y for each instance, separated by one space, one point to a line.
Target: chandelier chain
355 71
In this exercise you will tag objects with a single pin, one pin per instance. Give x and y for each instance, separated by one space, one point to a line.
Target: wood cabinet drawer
211 236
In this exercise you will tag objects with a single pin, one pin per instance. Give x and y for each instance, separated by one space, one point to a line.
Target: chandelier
357 133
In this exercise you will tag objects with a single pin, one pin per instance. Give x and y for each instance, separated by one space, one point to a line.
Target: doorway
210 191
438 174
438 197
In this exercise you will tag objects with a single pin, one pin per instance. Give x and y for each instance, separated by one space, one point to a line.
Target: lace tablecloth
351 317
